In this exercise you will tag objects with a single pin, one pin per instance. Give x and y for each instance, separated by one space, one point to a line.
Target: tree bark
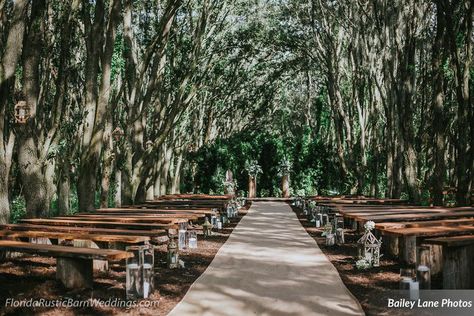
439 124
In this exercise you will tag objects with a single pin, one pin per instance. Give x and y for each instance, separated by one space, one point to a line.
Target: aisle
269 266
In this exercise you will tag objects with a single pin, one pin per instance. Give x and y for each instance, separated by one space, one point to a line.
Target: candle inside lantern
192 240
414 290
181 239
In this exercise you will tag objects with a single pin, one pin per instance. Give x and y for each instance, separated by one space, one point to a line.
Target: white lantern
369 245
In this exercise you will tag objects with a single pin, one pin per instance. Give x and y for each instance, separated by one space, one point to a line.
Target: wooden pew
131 219
73 265
154 234
98 224
408 237
74 236
458 260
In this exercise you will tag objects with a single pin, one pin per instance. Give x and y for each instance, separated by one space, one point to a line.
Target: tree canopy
127 100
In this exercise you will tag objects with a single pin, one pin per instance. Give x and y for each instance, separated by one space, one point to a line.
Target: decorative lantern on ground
207 228
369 245
117 134
148 270
340 236
330 238
22 112
182 238
173 255
134 276
192 240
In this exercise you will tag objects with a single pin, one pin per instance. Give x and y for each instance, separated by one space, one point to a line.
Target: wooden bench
97 224
130 219
458 260
414 217
154 234
408 237
54 236
73 265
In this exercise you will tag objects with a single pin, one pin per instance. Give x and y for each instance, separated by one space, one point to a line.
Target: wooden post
408 250
74 272
458 270
252 187
285 186
391 245
99 265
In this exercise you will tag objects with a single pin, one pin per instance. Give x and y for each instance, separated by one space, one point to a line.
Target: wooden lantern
22 112
369 245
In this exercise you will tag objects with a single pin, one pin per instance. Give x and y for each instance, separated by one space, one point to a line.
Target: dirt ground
32 277
367 286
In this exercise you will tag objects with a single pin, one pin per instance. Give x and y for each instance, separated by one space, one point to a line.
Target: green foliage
18 209
311 165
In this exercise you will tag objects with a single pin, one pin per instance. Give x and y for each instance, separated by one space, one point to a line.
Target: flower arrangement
363 264
284 167
327 229
253 168
370 225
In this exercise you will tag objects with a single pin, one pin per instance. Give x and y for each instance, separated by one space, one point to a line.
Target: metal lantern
369 245
118 133
134 276
22 112
207 228
192 240
182 238
173 255
148 269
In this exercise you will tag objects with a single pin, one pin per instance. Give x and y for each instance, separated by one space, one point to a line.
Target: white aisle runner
269 266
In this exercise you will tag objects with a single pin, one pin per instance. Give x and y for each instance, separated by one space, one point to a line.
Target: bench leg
74 272
458 267
99 265
408 249
391 245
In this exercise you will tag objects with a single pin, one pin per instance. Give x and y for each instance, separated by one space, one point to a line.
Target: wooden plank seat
73 264
154 234
74 236
145 210
413 217
195 197
98 224
141 216
458 260
446 222
157 219
429 231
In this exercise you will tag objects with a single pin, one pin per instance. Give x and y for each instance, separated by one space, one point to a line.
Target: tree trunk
285 186
64 188
252 187
118 188
439 126
11 53
176 181
90 161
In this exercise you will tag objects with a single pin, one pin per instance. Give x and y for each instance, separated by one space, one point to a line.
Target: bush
18 209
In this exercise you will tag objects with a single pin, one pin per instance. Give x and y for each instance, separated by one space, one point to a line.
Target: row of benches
447 234
110 230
